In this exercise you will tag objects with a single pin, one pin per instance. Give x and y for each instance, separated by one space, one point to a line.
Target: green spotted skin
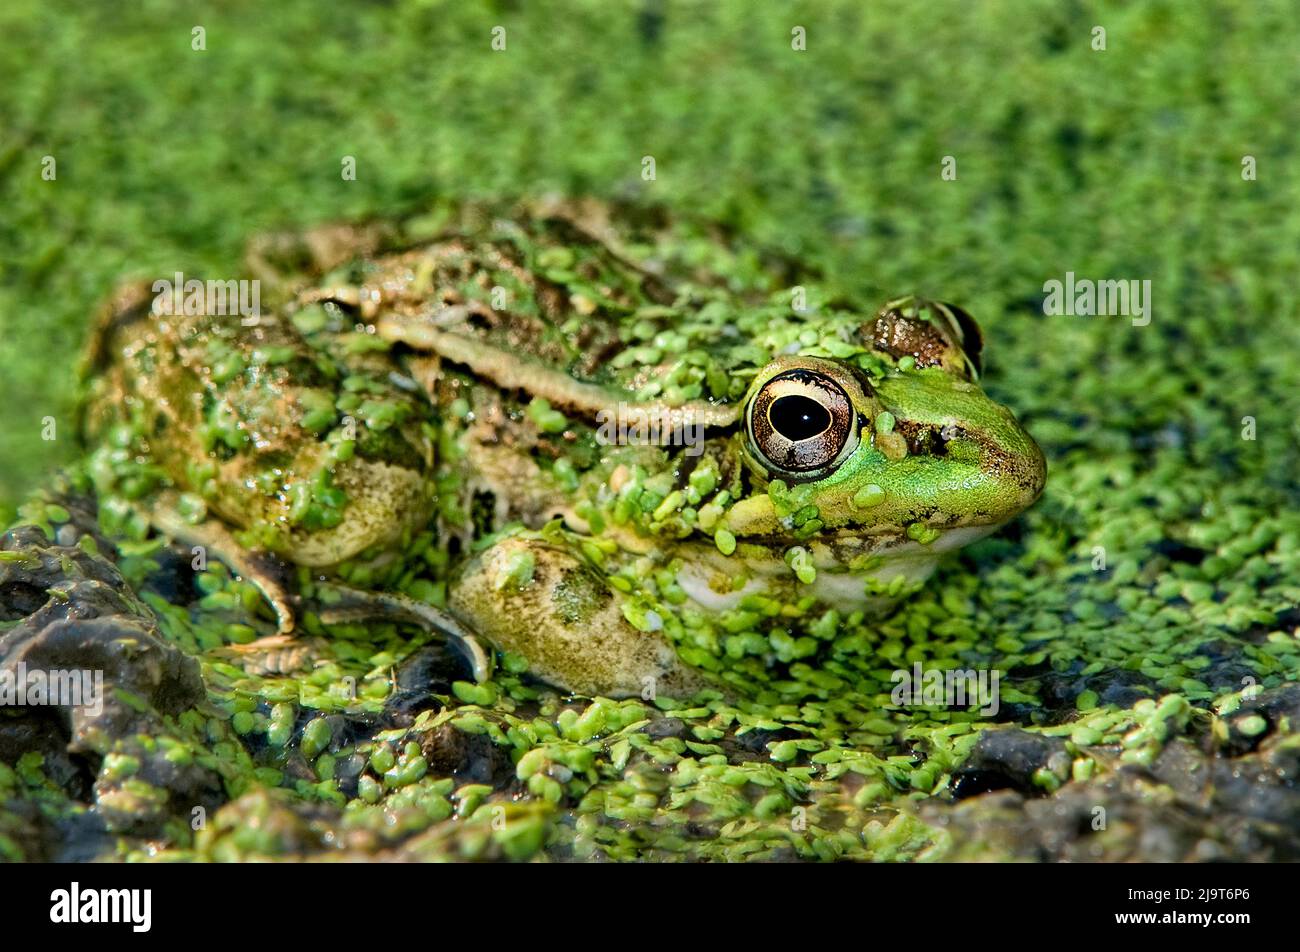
309 450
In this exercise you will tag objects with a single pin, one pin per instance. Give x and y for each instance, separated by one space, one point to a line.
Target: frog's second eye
801 423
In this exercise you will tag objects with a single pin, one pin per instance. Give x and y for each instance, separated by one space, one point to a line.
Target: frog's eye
801 423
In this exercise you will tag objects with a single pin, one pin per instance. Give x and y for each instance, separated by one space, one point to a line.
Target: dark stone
347 773
662 727
113 679
427 672
469 758
1216 801
755 741
1006 759
1279 708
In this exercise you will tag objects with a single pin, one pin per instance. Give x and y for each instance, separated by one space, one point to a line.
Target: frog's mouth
855 569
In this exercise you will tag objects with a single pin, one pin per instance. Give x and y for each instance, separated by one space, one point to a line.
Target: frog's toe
274 655
551 606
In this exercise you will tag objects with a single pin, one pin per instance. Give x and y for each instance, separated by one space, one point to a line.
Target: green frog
630 453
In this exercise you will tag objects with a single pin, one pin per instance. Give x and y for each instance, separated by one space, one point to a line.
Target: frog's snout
1036 470
977 463
1002 460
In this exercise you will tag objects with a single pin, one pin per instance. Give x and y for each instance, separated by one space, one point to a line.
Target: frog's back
647 307
245 420
530 325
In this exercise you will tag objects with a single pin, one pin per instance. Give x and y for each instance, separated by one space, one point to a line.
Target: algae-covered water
1142 616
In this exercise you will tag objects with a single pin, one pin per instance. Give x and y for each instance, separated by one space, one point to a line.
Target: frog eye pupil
797 417
801 422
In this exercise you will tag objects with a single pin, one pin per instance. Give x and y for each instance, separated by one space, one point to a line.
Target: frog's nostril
924 439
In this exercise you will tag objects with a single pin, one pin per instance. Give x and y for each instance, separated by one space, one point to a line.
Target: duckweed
1143 601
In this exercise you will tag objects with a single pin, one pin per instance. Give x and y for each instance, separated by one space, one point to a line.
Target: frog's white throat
705 580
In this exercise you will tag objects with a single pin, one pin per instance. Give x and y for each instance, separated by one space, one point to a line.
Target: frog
635 453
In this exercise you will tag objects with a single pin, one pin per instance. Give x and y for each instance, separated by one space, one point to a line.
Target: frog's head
915 459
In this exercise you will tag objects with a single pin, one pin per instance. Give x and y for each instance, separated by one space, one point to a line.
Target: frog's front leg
343 603
543 600
218 542
338 603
